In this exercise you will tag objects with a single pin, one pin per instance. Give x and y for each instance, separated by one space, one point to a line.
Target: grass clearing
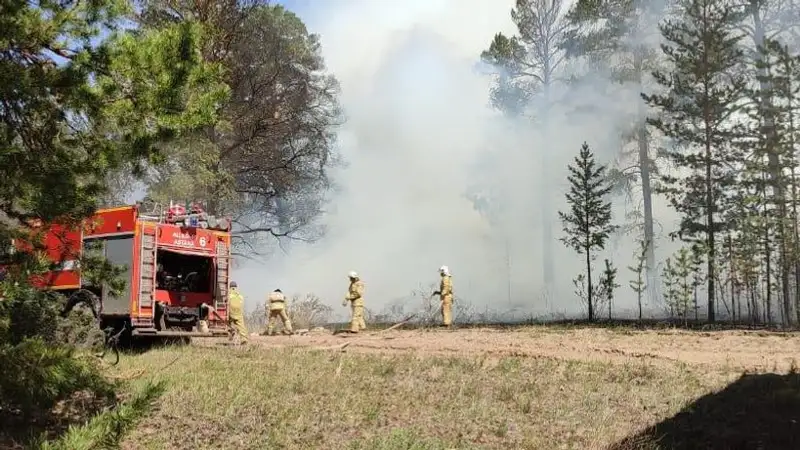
257 397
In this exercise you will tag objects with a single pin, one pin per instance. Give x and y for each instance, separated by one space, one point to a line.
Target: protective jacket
276 301
355 293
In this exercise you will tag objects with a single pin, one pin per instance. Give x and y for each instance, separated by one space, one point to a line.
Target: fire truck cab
176 267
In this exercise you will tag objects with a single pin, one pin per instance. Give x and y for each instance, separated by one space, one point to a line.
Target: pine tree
588 223
768 161
745 248
704 87
780 72
786 81
613 36
770 137
530 63
638 284
734 280
683 272
698 253
670 280
73 107
608 284
284 104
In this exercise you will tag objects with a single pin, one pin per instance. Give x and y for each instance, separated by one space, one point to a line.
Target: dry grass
282 396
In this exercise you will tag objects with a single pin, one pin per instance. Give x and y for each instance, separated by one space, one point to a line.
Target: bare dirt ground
730 351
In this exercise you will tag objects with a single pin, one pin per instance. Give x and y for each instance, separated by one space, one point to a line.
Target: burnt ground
734 350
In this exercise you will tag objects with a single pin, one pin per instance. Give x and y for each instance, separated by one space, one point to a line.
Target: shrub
306 312
47 381
37 375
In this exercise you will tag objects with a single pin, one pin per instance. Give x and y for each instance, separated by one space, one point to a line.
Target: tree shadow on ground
754 412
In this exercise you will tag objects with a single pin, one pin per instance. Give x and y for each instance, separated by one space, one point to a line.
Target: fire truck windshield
178 272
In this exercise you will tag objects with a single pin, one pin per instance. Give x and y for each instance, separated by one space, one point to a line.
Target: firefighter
445 293
355 295
276 305
236 314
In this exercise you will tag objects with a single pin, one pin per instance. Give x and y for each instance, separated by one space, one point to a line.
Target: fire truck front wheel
83 297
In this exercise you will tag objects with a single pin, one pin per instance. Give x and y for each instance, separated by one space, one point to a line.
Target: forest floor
530 387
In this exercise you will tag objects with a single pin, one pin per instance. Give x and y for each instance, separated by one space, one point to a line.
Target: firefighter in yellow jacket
276 305
236 313
355 295
445 293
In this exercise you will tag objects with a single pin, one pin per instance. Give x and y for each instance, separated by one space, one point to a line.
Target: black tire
85 297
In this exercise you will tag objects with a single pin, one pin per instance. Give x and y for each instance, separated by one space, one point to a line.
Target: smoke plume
435 175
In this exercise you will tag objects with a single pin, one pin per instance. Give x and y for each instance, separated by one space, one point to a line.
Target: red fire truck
176 267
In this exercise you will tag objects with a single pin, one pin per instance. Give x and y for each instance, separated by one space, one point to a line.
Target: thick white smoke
420 136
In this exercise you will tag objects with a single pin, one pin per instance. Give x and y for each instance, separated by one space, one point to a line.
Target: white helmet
352 274
444 270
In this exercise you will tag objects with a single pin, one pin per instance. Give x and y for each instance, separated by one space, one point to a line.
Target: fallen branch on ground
341 347
351 340
138 373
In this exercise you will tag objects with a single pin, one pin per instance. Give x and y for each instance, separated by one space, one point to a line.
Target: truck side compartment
111 233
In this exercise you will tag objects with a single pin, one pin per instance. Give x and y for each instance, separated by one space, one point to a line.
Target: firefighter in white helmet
445 293
355 295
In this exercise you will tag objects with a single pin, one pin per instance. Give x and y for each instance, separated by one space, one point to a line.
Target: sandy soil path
723 350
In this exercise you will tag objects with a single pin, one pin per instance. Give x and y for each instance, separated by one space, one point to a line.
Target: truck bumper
142 332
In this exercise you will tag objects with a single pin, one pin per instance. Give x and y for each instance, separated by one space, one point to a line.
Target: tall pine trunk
768 263
795 217
639 293
711 257
589 281
548 272
644 172
732 277
795 246
773 159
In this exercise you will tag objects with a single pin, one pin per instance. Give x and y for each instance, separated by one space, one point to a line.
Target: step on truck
176 264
